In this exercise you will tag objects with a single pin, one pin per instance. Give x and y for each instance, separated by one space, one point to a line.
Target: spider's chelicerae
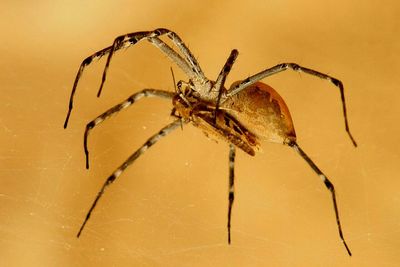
242 115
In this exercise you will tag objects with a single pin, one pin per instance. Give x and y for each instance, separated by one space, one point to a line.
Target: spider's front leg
130 39
84 63
123 41
188 64
123 105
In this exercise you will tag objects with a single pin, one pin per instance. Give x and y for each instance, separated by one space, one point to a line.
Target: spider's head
185 100
182 106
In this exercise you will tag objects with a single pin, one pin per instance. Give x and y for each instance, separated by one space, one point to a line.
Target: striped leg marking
84 63
220 82
187 54
151 141
232 153
293 66
123 105
328 185
189 65
130 39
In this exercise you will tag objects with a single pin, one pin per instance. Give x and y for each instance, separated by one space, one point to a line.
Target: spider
244 114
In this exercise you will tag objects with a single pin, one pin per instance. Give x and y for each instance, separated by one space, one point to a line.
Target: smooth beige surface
169 209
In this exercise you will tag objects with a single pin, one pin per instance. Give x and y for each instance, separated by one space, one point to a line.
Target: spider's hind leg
328 185
293 66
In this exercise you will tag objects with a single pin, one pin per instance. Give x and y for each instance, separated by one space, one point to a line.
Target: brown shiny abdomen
263 112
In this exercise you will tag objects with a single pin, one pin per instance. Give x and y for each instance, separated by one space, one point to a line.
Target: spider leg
220 82
125 41
151 141
84 63
186 52
189 66
328 185
232 153
123 105
293 66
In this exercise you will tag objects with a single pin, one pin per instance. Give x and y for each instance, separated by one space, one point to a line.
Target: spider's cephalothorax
216 124
243 115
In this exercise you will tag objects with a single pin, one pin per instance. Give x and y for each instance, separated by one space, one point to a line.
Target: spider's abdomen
262 110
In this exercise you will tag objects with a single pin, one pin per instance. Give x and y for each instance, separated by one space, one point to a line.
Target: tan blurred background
169 208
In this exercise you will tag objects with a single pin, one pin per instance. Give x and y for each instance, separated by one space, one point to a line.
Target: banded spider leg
123 105
293 66
188 64
328 185
231 197
151 141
